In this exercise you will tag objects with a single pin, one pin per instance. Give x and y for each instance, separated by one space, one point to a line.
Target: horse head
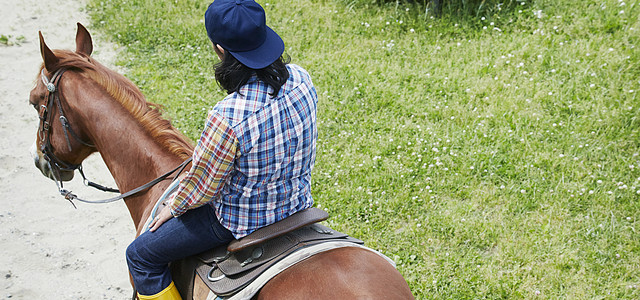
61 140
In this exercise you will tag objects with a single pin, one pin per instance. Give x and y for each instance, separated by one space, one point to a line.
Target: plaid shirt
254 159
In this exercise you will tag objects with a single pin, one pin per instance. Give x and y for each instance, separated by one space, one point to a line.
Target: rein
71 196
56 164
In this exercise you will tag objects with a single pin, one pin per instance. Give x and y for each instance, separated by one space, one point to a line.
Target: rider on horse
252 164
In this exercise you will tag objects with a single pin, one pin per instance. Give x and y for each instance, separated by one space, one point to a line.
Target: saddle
226 270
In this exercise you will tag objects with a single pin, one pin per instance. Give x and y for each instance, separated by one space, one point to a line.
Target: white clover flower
538 13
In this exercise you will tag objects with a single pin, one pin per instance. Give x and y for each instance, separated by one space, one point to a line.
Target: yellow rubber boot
170 293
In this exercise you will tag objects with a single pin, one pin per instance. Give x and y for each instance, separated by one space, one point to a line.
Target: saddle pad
254 287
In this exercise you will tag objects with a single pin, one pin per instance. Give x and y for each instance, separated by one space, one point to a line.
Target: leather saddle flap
249 258
225 272
253 257
291 223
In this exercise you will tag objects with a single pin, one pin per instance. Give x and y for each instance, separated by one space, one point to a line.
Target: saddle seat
293 222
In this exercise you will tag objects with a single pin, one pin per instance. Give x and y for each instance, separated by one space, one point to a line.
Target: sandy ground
48 249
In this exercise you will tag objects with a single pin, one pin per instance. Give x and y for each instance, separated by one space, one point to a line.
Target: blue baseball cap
239 26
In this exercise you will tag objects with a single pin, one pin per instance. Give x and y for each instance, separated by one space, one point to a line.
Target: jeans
148 256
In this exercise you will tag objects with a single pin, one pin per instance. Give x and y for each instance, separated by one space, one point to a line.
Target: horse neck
131 154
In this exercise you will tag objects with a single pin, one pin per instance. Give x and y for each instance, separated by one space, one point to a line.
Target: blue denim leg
149 254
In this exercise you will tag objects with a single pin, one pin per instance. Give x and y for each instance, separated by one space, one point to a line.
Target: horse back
343 273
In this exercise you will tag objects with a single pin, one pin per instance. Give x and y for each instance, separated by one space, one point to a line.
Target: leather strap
70 196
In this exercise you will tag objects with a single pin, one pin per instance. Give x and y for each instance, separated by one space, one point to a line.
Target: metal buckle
255 254
43 112
214 279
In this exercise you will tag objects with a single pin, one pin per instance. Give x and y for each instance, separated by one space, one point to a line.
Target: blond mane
128 94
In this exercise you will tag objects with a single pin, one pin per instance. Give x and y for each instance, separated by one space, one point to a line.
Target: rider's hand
163 216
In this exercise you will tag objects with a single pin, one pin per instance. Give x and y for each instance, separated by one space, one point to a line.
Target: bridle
46 120
56 164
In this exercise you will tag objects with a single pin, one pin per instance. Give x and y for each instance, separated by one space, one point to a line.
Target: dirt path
48 249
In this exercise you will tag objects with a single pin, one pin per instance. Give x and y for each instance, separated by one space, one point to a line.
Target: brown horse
99 110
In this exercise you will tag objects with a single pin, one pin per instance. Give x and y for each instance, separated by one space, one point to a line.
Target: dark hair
232 74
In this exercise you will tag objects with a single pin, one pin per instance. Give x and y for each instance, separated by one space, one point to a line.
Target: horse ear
84 45
50 60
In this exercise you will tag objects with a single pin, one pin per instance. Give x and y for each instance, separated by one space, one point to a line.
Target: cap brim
263 56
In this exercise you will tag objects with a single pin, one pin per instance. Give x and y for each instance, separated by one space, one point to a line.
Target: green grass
491 157
9 40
